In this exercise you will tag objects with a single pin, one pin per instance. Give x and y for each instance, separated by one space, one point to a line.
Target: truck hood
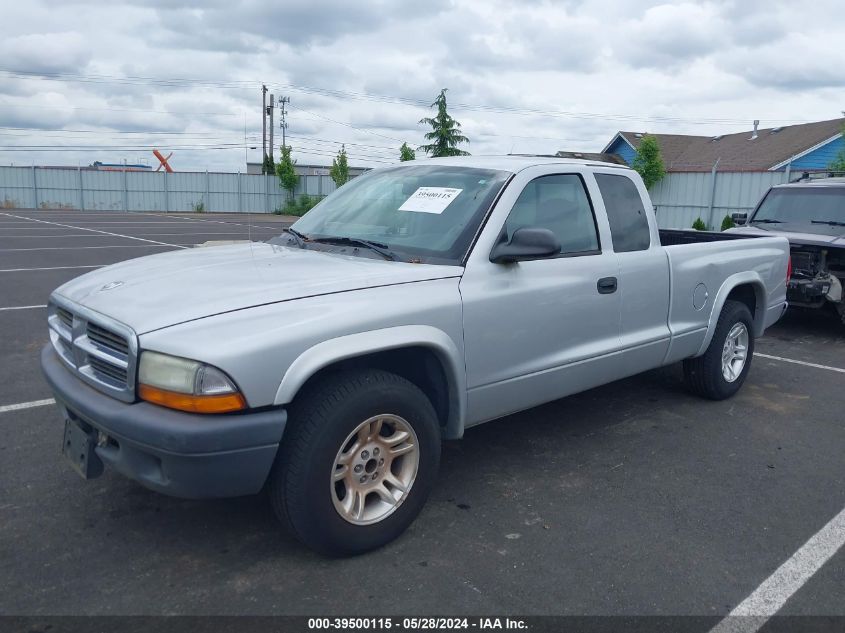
834 237
158 291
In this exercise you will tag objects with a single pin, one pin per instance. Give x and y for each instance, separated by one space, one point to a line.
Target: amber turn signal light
223 403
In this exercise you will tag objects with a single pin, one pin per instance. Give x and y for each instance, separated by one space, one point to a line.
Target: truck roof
514 163
828 182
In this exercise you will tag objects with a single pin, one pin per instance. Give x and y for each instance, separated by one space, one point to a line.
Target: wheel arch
425 355
746 287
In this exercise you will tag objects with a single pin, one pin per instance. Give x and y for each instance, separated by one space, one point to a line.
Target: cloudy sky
88 80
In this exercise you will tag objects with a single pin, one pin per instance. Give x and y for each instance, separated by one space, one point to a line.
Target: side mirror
526 243
739 218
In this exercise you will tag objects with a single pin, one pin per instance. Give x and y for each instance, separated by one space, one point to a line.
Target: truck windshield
814 206
419 212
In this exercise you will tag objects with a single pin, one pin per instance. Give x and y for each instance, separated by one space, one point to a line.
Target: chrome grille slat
107 339
104 355
65 317
101 351
106 369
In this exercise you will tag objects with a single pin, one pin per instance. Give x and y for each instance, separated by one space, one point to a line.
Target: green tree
286 172
406 153
267 167
838 163
648 163
728 223
699 225
445 135
340 168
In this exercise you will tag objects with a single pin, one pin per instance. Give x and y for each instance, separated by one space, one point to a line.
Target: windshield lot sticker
430 199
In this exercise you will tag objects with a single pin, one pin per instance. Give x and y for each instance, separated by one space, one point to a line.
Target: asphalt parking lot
635 498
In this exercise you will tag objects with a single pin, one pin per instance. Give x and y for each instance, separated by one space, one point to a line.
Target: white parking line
70 226
751 614
22 308
26 405
19 226
77 248
177 217
800 362
25 270
183 234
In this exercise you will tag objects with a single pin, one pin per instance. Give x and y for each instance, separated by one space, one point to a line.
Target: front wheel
357 462
721 370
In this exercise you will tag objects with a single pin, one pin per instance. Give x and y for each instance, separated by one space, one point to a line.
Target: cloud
670 35
593 68
775 65
46 52
300 22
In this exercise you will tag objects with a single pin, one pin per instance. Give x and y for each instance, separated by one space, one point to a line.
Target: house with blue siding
804 147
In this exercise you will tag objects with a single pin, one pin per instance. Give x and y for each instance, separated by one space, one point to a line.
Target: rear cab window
628 222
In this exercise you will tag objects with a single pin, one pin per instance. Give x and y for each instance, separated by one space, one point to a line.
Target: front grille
101 351
65 317
108 372
106 339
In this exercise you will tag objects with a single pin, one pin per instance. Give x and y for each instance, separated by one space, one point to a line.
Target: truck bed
674 237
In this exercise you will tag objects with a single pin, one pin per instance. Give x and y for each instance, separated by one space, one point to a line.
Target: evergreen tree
406 153
267 166
445 135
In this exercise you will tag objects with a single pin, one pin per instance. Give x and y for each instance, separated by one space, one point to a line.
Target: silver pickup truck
413 303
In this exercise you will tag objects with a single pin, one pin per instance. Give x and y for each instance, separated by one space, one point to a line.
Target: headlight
186 385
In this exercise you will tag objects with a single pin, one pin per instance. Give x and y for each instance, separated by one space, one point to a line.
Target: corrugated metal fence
45 188
680 198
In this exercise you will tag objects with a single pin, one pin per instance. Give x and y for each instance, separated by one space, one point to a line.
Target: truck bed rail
673 237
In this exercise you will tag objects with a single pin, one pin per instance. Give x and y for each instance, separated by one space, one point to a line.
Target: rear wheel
357 462
720 372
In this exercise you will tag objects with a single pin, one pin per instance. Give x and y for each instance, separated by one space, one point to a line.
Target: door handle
606 285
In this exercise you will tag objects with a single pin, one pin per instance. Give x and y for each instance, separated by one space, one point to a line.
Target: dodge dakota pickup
413 303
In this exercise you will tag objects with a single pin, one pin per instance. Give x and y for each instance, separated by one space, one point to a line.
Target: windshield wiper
766 221
378 247
300 238
830 222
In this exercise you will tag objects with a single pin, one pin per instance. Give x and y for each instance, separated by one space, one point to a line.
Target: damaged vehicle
810 213
411 304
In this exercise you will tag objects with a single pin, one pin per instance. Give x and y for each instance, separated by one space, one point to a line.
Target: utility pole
282 113
270 109
263 125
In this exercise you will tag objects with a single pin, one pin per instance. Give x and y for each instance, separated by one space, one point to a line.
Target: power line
304 149
349 125
25 132
346 94
102 109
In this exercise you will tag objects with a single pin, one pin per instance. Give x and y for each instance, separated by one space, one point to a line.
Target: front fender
737 279
353 345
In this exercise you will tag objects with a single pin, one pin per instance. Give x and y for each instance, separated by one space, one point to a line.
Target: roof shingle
737 152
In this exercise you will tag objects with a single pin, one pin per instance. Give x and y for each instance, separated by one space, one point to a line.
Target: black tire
320 420
703 375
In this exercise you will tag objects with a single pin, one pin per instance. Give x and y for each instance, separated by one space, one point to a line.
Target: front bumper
179 454
808 291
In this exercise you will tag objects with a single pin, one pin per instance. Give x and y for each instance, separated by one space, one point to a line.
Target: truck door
643 272
540 329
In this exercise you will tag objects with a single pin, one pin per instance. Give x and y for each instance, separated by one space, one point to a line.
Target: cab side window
558 203
628 222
